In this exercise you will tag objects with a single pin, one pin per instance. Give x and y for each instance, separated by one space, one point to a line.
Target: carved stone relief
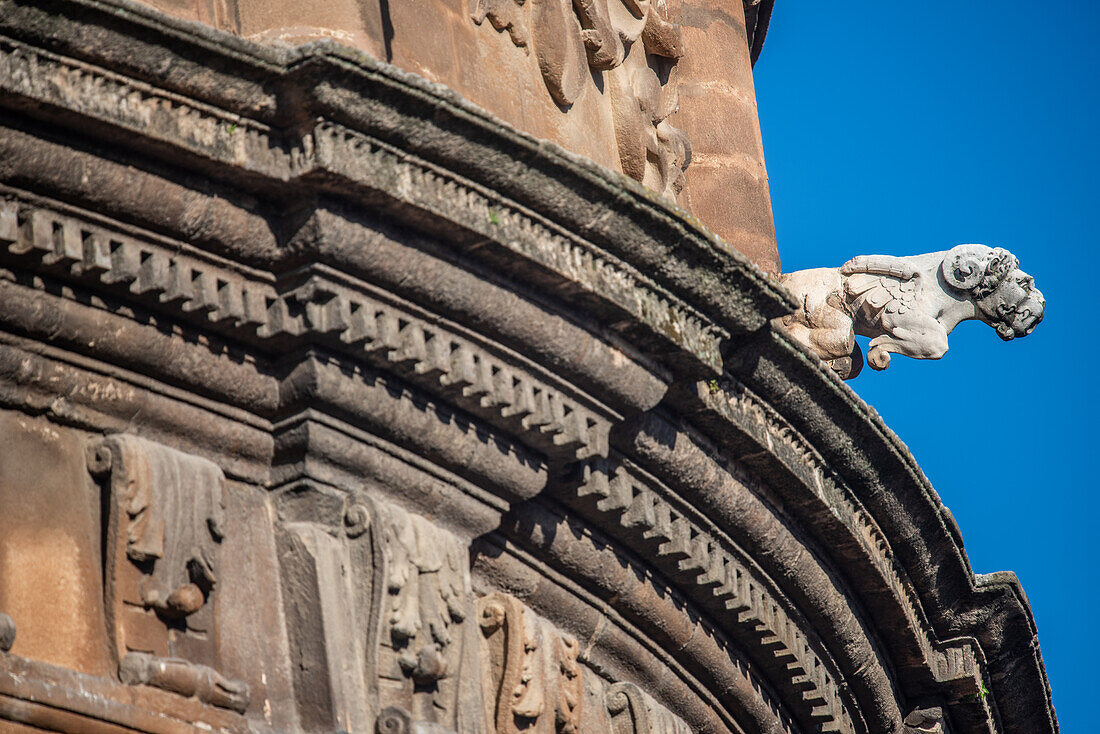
162 557
428 635
184 678
532 681
397 720
387 596
634 712
925 721
636 43
7 632
909 305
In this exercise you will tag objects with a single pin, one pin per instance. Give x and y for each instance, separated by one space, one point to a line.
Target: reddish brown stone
50 572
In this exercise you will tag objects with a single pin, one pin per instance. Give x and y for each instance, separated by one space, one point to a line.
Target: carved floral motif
427 589
636 44
428 639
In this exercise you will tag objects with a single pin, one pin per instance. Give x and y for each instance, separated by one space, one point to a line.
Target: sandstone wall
527 64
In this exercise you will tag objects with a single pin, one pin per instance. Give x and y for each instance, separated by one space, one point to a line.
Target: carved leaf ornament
425 584
636 43
533 682
634 712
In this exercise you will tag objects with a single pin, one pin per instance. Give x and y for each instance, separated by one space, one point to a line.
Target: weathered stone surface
629 85
726 186
490 437
51 585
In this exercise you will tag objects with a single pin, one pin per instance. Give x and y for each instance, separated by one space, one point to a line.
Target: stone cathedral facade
412 367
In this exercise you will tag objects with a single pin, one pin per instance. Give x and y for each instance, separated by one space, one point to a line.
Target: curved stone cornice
387 130
876 465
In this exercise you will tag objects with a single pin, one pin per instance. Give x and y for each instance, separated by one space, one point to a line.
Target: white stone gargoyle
909 305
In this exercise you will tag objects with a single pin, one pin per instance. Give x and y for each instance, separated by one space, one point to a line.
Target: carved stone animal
909 305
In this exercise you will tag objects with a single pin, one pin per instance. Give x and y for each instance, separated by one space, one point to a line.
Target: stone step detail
313 309
726 587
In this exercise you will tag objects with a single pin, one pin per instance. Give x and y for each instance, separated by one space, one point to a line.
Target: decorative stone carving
389 594
184 678
505 15
909 305
185 233
427 596
638 45
396 720
634 511
428 646
533 682
163 539
427 354
7 632
925 721
634 712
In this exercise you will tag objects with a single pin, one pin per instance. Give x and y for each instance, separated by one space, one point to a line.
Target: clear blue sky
902 128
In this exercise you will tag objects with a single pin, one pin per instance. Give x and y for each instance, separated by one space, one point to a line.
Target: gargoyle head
1006 297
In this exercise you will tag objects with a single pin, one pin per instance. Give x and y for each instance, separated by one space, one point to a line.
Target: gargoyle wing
875 294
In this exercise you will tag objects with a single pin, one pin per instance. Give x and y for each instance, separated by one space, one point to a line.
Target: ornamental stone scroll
533 682
388 592
909 305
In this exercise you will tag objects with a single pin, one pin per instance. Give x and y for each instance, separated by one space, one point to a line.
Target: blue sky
902 128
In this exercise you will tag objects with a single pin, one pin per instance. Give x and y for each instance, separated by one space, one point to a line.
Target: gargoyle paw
878 358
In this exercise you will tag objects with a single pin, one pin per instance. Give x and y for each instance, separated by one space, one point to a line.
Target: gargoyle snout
1028 314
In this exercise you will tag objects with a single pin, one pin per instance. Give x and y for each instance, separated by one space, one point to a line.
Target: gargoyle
908 305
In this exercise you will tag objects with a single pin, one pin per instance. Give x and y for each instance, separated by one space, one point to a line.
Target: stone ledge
876 465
